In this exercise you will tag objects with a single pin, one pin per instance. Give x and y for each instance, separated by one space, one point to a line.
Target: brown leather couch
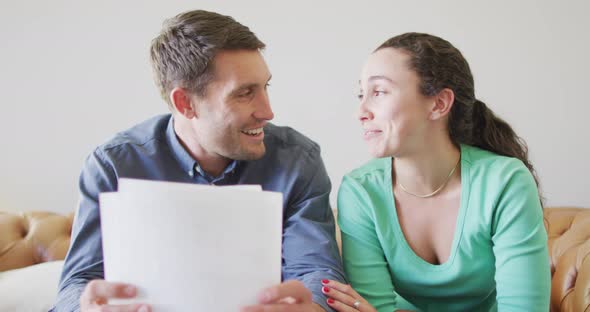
35 237
569 249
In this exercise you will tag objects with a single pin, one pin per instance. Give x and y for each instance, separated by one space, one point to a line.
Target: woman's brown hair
440 65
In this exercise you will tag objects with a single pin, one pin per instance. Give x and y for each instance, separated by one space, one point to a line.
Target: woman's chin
381 148
377 153
380 152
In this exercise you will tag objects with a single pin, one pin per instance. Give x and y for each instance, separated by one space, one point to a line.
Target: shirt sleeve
310 251
523 277
363 257
84 261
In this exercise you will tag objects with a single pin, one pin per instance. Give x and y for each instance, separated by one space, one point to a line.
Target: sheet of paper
138 185
190 247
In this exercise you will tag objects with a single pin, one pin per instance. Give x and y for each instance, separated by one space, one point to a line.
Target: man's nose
264 111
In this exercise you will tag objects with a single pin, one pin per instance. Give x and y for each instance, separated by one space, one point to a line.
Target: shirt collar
186 161
230 169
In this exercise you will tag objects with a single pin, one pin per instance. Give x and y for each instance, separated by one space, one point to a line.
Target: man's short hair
182 54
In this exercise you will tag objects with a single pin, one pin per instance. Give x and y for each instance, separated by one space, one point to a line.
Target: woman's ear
443 102
182 101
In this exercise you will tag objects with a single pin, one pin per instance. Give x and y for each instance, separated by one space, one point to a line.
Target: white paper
138 185
192 247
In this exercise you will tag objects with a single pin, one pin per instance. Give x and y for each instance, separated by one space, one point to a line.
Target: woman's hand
343 298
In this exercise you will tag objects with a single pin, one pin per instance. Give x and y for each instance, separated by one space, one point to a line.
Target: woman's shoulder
362 188
369 181
496 170
491 162
377 168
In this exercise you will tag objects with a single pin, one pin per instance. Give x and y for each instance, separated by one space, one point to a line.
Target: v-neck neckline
459 224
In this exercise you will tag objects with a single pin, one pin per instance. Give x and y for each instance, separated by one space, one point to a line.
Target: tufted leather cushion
569 249
33 237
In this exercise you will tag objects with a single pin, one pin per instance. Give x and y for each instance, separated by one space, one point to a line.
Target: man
209 69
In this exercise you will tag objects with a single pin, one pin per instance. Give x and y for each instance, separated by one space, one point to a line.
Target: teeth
253 131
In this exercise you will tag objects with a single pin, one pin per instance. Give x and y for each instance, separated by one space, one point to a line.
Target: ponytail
491 133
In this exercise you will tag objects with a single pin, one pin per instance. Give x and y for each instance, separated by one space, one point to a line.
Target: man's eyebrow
245 86
248 86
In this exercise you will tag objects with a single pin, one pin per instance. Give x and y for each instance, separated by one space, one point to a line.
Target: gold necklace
438 189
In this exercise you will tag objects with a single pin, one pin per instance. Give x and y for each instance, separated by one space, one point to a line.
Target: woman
448 217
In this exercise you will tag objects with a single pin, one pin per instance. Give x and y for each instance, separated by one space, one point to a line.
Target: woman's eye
378 93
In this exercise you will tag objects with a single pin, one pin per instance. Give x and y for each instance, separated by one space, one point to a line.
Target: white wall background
72 73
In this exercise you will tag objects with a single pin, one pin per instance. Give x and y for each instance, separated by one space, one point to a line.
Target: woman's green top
499 259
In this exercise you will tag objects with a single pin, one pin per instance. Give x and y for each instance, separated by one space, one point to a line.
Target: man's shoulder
138 135
284 137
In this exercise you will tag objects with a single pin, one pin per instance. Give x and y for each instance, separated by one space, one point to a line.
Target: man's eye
245 93
378 93
267 85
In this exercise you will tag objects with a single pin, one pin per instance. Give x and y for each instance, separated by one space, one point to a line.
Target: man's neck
211 163
212 166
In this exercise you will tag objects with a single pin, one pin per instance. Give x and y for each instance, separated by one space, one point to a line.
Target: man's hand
290 296
97 293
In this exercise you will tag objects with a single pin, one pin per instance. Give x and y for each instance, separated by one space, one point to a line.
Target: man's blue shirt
151 150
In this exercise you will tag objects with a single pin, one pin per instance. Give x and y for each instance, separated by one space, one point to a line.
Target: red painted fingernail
330 301
326 289
325 281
